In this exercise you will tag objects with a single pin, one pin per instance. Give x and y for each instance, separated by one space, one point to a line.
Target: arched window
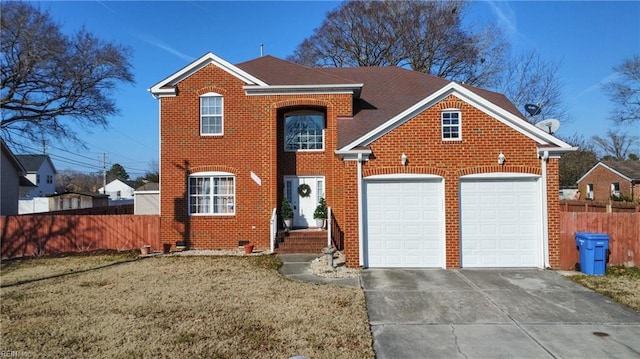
304 131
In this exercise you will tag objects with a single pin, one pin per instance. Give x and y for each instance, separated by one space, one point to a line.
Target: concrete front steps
301 241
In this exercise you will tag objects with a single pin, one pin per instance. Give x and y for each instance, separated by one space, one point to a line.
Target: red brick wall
251 143
483 138
602 179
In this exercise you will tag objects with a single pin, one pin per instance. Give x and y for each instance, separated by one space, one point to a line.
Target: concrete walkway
296 266
494 314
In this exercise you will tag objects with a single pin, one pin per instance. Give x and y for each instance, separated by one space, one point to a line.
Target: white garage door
500 222
404 223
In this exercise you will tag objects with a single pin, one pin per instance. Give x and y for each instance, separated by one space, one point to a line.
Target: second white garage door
404 223
500 222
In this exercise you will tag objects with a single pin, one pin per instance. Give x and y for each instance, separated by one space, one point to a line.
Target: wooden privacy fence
623 230
591 206
49 234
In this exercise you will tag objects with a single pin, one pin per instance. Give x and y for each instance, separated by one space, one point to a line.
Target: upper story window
212 193
303 131
451 125
49 179
37 179
211 114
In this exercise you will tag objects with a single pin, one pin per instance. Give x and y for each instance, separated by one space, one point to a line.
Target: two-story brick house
418 171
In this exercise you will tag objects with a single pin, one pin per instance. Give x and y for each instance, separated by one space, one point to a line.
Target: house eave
166 87
350 89
613 170
538 135
354 154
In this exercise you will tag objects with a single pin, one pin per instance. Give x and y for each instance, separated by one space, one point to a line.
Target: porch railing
274 229
335 236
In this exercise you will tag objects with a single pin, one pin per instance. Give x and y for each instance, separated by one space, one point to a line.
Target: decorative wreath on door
304 190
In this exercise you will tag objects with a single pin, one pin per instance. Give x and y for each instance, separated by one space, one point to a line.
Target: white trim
160 155
147 192
606 167
211 174
350 89
360 212
405 176
459 126
544 214
166 86
212 95
500 114
499 175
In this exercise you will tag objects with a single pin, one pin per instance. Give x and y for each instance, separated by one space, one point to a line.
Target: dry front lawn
195 307
622 284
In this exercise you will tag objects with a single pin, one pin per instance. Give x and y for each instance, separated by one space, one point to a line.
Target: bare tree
529 79
616 145
625 91
427 36
49 78
574 165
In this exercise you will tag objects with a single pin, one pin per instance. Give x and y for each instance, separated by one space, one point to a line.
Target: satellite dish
532 109
550 125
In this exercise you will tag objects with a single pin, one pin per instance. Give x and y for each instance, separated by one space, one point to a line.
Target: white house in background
11 180
118 190
147 199
41 172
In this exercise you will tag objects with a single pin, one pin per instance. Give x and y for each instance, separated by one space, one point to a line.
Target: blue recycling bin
593 249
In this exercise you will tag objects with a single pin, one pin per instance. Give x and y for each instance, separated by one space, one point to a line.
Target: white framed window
211 114
589 190
451 126
212 193
615 189
304 131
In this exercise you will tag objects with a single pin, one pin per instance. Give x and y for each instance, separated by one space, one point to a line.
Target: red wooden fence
48 234
623 230
591 206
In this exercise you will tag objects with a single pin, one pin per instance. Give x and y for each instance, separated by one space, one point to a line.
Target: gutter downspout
545 210
360 216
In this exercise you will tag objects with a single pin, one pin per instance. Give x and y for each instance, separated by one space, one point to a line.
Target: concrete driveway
494 314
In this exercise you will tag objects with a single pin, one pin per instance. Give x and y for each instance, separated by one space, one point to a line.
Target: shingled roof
630 169
386 91
32 163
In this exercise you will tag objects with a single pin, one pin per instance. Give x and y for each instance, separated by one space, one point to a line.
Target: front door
304 193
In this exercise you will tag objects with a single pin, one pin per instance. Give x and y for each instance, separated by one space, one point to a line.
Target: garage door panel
500 223
409 227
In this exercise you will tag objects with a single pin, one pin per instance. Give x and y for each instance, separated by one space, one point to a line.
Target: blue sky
587 38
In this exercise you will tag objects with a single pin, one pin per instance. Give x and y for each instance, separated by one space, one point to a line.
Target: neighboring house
41 172
77 200
147 199
418 171
118 190
611 178
12 178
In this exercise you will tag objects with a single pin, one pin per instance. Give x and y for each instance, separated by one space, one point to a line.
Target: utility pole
104 173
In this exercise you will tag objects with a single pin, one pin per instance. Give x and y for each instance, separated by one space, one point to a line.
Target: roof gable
166 87
32 163
475 98
20 170
629 170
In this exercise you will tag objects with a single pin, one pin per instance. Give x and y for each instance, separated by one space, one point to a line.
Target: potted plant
320 214
287 213
248 248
